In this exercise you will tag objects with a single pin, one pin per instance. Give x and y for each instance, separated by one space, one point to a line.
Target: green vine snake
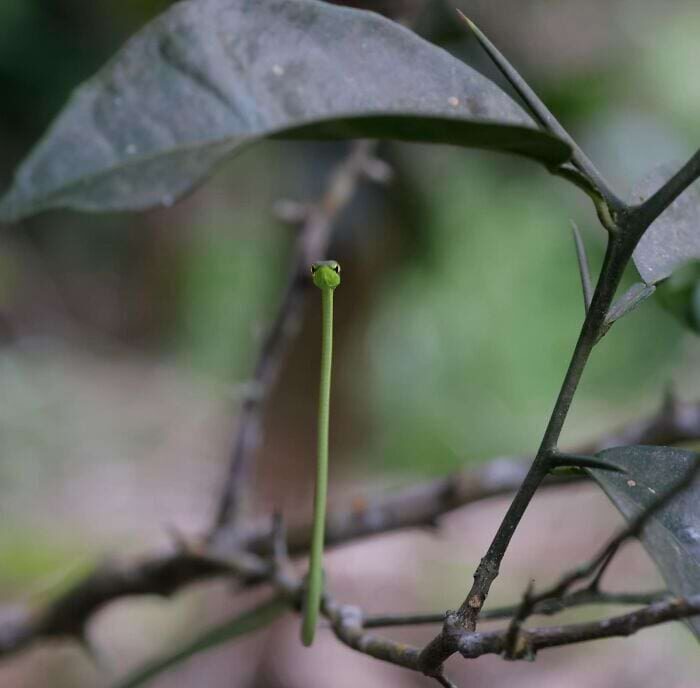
326 276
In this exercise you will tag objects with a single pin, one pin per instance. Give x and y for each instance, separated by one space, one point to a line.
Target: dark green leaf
674 238
246 623
672 535
208 77
680 294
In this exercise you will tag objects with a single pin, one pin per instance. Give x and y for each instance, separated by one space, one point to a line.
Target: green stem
312 601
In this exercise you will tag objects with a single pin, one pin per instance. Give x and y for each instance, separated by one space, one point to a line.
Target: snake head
326 274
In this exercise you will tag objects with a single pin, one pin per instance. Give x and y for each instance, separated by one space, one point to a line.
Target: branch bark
630 225
471 645
422 505
347 625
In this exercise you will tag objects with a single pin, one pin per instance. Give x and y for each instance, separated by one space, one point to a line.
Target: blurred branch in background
311 244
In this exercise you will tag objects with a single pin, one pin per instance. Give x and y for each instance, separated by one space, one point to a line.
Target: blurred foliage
219 331
473 316
471 346
666 74
456 328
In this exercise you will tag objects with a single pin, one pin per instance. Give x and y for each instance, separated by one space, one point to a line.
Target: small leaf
674 238
636 294
208 77
248 622
680 295
633 297
672 534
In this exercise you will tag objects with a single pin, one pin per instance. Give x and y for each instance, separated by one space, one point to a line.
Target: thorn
290 212
583 267
537 108
541 113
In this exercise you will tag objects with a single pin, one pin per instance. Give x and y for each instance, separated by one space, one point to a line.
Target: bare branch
675 421
418 506
160 575
618 253
595 567
594 585
346 622
471 645
616 259
422 505
602 559
545 608
347 625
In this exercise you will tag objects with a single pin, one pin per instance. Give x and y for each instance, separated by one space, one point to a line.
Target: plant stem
543 115
632 222
616 257
648 211
583 267
610 276
545 608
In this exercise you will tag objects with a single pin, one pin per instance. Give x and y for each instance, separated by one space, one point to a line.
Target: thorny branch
631 530
350 625
546 607
471 645
419 506
595 567
582 171
423 504
626 225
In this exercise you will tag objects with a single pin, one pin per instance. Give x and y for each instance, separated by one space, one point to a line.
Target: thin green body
314 591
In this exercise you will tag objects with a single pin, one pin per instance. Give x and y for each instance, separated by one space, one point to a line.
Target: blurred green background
126 340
